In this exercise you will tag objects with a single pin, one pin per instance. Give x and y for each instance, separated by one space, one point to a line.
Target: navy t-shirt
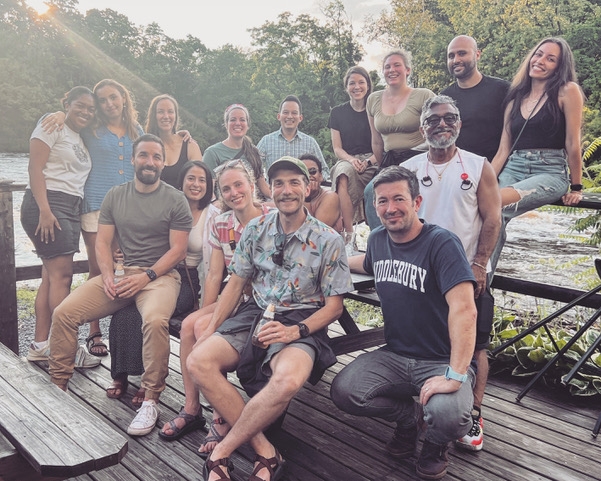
411 280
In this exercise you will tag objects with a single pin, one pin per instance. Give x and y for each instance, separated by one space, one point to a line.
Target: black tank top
171 172
540 133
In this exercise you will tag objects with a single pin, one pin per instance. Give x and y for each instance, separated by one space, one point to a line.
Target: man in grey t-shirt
151 222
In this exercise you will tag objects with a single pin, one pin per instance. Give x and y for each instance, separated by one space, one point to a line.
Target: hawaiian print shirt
314 264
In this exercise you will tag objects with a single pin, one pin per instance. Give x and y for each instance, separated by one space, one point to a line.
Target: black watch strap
576 187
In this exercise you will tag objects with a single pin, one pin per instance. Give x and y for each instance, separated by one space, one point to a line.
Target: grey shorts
236 339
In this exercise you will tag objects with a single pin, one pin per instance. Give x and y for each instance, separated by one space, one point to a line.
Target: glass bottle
268 316
119 272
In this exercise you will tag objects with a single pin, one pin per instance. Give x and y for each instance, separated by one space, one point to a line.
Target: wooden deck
545 437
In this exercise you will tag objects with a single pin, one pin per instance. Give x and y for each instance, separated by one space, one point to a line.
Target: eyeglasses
278 256
228 165
434 120
313 171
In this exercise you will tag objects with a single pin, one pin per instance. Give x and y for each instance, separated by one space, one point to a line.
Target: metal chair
560 352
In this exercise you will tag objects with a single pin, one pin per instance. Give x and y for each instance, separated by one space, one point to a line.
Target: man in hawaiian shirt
298 264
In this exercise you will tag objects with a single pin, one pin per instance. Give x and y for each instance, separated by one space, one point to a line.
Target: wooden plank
9 334
56 435
26 273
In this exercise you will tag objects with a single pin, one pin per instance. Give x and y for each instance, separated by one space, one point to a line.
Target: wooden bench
45 434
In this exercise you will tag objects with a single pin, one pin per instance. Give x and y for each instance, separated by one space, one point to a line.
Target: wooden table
354 338
48 434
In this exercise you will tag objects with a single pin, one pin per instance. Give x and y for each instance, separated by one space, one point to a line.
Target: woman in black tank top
541 134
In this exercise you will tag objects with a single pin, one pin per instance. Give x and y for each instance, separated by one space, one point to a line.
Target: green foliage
42 57
528 355
505 31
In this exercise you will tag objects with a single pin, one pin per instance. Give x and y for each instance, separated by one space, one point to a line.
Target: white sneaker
85 360
145 420
38 354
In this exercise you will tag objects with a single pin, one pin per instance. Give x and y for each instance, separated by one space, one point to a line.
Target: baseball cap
288 162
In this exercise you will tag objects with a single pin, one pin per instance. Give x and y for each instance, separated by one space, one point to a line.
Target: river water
538 243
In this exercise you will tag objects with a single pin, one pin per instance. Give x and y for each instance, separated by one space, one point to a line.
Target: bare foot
138 398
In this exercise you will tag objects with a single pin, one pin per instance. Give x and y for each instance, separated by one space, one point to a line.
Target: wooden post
9 327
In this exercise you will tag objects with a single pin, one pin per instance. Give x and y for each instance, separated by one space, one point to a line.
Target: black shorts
67 210
486 309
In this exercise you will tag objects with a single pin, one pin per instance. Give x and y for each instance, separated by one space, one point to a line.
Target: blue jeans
539 176
382 384
371 217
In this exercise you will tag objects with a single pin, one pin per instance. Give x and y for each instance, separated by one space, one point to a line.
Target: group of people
261 213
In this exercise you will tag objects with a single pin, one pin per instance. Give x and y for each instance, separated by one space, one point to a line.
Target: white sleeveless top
445 203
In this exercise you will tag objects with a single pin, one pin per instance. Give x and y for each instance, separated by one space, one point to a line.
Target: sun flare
40 6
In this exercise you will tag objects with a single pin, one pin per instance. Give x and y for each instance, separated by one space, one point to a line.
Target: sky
218 22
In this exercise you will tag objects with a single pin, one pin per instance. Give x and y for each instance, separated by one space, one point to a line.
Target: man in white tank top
460 193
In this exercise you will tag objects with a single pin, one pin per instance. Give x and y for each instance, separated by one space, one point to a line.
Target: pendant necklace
438 172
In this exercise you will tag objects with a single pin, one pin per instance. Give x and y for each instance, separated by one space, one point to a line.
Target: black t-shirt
481 108
353 127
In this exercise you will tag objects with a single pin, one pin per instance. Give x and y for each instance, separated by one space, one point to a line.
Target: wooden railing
10 274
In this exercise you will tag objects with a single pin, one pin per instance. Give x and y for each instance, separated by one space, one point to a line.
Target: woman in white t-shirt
59 165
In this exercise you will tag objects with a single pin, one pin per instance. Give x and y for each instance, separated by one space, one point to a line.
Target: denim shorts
66 208
539 175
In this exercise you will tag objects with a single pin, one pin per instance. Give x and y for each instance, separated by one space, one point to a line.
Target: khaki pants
156 303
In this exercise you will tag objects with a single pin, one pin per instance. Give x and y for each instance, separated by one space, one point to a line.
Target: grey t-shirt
143 221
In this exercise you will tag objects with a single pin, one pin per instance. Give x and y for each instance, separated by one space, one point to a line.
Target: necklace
438 172
466 183
531 104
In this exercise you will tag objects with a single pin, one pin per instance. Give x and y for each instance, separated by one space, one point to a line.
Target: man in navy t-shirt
426 289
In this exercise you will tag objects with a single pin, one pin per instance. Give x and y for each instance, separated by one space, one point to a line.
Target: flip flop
191 423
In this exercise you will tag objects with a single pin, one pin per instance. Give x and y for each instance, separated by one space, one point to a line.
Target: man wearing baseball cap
298 264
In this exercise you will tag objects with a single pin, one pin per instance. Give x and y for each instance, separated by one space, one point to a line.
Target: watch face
304 330
151 274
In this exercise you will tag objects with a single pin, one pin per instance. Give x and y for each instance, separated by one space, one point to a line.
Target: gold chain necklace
438 172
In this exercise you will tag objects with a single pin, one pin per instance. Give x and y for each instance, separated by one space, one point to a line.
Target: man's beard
145 178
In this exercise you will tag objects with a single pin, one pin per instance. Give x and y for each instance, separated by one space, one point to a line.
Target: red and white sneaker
474 439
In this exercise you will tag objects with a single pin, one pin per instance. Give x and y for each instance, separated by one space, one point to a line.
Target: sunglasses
434 120
278 255
313 171
228 165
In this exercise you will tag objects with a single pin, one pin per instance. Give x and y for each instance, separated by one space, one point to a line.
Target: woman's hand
46 224
53 122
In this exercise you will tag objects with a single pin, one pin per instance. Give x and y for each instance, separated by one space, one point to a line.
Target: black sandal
90 344
191 423
212 436
274 465
210 466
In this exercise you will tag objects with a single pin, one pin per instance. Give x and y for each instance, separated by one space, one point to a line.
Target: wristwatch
303 329
576 188
369 163
455 376
151 274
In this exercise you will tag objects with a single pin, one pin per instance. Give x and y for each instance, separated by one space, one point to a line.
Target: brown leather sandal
117 388
211 466
274 465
